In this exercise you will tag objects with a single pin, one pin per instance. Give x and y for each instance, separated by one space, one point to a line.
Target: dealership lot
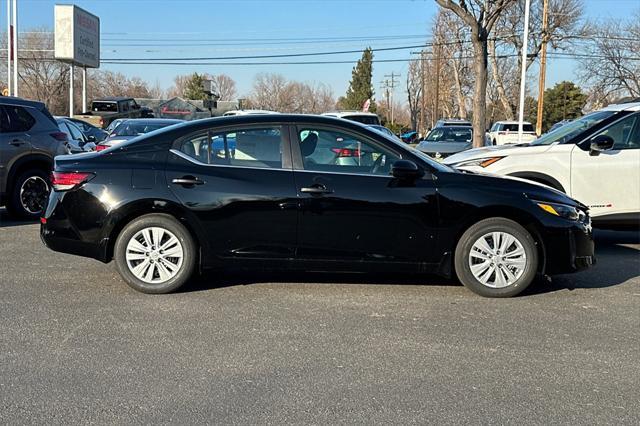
78 345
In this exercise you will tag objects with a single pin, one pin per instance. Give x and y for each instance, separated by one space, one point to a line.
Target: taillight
64 181
59 136
346 152
101 147
101 122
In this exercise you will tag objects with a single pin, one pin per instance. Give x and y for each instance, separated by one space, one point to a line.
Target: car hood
495 151
443 147
532 190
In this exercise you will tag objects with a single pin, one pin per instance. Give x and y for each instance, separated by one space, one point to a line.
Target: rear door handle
187 180
316 190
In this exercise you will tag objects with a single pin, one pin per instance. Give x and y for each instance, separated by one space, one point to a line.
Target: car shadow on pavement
617 263
8 221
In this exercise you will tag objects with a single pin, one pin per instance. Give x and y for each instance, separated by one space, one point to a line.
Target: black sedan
177 200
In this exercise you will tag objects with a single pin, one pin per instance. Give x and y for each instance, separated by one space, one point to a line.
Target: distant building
185 109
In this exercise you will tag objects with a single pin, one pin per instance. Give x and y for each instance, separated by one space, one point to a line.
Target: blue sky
191 28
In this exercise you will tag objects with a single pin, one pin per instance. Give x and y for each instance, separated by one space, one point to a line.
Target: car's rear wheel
496 257
29 194
155 254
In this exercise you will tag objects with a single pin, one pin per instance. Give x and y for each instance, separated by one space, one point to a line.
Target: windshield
449 134
128 128
573 129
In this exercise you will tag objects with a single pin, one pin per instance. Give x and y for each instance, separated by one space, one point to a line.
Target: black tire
29 194
168 223
476 232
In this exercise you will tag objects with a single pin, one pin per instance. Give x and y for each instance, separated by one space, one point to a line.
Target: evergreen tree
564 101
360 87
193 87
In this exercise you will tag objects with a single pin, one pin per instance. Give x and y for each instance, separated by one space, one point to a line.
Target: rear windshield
450 134
364 119
104 106
128 128
513 127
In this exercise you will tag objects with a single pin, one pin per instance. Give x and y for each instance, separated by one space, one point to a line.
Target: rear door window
256 147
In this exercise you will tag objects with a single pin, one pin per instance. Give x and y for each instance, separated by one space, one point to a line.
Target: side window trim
298 162
284 134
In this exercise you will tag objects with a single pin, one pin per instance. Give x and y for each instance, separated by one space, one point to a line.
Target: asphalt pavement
78 346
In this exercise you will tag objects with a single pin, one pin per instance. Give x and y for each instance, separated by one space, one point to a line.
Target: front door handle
17 142
316 189
187 181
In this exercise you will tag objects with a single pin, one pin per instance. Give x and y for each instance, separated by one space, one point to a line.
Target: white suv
595 159
506 132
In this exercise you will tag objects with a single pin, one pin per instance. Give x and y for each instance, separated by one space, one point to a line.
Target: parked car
113 125
105 110
409 137
457 122
163 205
442 142
89 129
506 132
129 129
29 140
359 116
384 131
595 158
78 142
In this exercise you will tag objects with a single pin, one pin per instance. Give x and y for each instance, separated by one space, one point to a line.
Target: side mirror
407 170
600 143
91 138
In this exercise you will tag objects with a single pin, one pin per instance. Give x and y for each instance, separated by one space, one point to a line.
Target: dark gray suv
29 140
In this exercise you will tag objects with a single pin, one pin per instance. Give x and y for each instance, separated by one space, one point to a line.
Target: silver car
442 142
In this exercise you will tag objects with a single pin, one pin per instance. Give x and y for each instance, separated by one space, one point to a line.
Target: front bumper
569 249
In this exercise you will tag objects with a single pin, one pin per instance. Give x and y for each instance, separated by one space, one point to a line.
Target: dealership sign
77 36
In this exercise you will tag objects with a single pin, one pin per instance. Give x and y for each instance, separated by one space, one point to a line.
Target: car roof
343 113
630 106
113 99
20 101
152 120
511 122
250 111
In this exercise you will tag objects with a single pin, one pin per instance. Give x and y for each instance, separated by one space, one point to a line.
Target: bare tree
414 91
613 67
274 92
224 86
564 26
480 16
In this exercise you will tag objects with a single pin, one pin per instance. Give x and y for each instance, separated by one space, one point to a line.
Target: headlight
480 162
561 210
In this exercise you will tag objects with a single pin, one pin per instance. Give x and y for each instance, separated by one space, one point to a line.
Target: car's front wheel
496 257
155 254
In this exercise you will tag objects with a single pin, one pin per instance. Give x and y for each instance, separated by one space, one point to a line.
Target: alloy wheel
497 259
33 194
154 255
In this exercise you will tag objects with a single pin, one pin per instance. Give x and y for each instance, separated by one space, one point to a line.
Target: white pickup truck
506 132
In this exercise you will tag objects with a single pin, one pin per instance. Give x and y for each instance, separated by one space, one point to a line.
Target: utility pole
391 85
437 97
422 129
15 47
9 47
543 66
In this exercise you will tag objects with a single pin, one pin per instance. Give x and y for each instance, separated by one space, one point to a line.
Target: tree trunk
462 109
502 94
480 91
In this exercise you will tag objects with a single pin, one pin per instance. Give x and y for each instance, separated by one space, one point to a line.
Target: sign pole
15 47
9 40
71 90
84 89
